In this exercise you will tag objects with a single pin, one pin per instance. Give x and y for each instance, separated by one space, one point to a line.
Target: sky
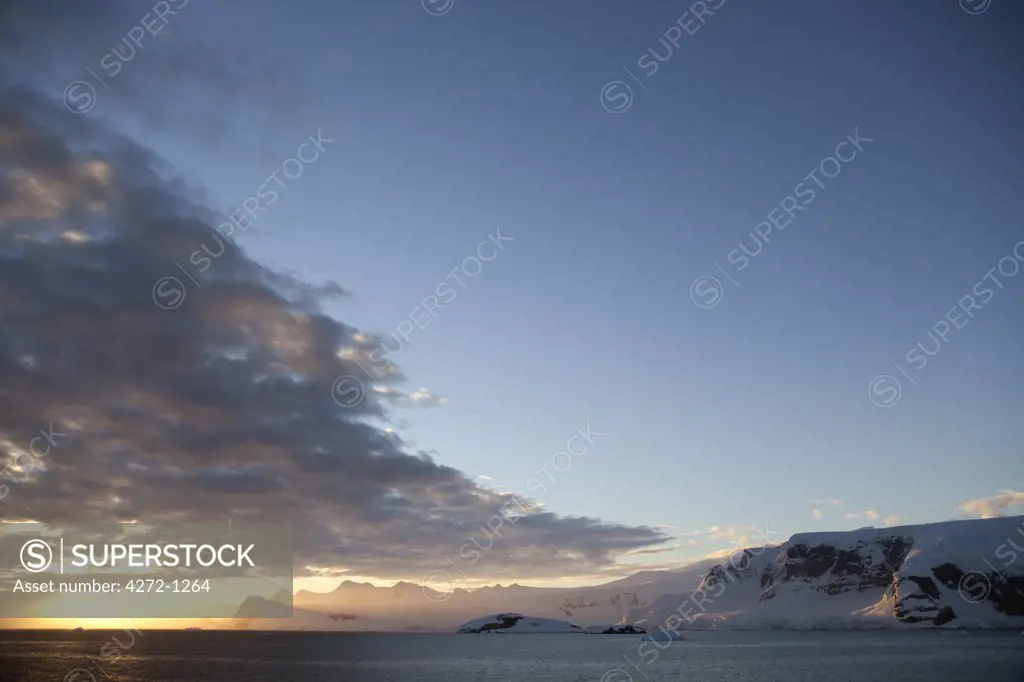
767 261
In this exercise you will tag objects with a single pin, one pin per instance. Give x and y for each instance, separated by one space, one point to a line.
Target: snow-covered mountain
608 603
957 574
952 574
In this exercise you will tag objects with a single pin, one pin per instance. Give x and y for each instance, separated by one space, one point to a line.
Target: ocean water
163 656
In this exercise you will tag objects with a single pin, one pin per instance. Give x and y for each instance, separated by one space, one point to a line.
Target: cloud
700 532
727 551
990 507
731 533
421 397
870 514
221 408
825 501
892 520
648 551
816 513
736 536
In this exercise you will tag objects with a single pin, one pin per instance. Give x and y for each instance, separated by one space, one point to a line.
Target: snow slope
956 573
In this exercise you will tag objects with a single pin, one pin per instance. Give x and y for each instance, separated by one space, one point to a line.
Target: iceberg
517 624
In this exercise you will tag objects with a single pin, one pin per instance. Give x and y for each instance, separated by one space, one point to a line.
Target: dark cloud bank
219 408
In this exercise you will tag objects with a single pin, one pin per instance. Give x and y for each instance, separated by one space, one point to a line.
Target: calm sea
162 656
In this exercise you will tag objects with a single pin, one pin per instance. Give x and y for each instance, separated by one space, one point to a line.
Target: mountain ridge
954 573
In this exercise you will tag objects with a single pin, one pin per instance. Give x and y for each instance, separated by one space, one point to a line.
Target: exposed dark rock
505 620
1007 594
624 630
949 575
944 615
926 585
848 563
848 569
626 599
736 569
912 603
896 550
766 577
809 562
570 606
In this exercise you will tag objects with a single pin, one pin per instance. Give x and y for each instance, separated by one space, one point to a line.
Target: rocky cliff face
748 565
958 573
835 569
864 566
1002 589
934 574
916 600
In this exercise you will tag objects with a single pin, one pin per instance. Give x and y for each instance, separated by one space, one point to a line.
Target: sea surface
165 656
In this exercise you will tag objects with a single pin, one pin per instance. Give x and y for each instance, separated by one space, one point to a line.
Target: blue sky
732 416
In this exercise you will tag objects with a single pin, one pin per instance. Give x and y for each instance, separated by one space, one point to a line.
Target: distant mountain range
950 574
